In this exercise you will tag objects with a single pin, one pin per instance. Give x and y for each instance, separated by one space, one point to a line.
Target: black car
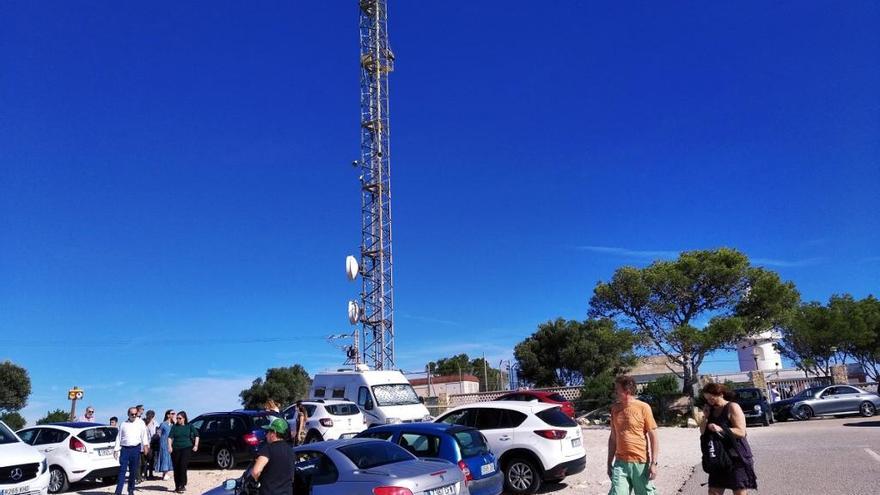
228 438
754 405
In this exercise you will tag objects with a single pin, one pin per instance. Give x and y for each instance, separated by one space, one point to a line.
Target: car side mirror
421 399
368 405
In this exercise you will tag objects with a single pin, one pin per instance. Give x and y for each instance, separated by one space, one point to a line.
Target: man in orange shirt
632 446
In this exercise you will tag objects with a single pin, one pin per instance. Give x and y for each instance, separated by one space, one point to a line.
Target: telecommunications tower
376 311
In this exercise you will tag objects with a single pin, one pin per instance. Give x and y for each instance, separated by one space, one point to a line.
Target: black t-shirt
277 476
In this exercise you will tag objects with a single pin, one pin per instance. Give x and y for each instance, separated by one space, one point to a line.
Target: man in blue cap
274 465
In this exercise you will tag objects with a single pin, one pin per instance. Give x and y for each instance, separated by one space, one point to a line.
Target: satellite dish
351 267
354 312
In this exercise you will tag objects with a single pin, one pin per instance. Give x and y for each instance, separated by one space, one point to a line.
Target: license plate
575 442
105 451
443 490
21 489
487 469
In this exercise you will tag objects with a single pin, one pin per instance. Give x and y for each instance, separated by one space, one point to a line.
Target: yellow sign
75 393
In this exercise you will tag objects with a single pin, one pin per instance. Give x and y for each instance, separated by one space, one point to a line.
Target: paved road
820 456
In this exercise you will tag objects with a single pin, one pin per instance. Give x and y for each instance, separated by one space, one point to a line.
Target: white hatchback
75 452
23 470
328 419
534 442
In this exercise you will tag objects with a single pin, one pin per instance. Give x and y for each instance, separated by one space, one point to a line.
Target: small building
446 385
758 352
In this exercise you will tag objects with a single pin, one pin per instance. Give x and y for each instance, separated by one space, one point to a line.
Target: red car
547 397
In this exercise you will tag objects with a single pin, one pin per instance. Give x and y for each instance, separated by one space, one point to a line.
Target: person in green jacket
182 442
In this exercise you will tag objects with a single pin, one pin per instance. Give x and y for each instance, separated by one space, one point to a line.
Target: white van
384 396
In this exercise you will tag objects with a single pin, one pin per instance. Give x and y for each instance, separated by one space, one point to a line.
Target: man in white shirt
131 441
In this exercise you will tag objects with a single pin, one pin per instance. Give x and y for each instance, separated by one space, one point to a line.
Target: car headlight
393 421
44 466
757 407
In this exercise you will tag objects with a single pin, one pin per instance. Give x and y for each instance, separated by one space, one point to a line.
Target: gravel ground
679 453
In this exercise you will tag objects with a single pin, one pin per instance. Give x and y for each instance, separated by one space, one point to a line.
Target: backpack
715 456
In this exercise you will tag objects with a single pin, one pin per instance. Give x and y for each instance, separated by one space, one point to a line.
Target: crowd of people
151 449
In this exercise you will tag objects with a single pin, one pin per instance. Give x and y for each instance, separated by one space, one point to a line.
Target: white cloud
787 263
197 395
629 253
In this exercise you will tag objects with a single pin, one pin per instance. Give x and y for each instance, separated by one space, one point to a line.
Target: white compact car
328 419
23 470
534 442
75 452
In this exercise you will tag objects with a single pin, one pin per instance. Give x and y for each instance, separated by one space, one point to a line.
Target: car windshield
557 398
748 394
6 435
808 393
555 417
471 443
397 394
373 454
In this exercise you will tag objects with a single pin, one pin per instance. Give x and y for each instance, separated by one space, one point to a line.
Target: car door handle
504 438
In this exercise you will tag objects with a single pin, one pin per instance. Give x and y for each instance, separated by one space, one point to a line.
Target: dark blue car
461 445
228 438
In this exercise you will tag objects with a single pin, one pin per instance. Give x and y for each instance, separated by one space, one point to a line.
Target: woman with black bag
725 418
182 442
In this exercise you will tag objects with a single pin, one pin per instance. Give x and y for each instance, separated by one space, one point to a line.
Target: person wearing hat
274 465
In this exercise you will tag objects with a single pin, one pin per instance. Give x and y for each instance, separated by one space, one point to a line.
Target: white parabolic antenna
351 267
354 312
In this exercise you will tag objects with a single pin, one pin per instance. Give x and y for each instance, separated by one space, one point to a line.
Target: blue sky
177 199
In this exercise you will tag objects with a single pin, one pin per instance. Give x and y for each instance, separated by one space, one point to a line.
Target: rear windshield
557 398
6 435
260 421
748 394
372 454
99 435
342 409
555 417
471 443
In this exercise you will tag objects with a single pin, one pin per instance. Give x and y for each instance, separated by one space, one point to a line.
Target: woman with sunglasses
163 455
182 442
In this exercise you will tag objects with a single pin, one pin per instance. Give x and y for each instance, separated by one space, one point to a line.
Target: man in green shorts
632 445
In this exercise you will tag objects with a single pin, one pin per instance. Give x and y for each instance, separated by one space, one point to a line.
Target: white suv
75 452
328 419
533 441
23 470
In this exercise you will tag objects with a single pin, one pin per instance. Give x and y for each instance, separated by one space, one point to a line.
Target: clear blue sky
177 199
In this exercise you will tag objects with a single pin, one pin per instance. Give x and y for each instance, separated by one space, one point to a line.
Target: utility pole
485 372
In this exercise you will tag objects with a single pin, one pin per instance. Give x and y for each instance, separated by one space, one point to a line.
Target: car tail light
251 439
327 422
552 434
391 490
466 471
76 445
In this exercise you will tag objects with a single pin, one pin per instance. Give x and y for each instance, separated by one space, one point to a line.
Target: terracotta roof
444 379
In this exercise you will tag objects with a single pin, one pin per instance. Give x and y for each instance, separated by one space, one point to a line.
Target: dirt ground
679 453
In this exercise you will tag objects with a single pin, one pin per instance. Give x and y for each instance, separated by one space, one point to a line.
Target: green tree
866 348
56 416
565 352
283 385
490 378
664 301
15 387
13 420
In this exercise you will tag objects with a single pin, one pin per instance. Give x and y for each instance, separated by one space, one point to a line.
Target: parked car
227 438
833 400
534 442
540 396
74 451
361 467
23 469
384 396
754 405
464 446
328 419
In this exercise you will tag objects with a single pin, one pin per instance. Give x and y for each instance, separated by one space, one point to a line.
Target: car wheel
867 409
224 458
314 437
521 476
57 480
803 413
766 420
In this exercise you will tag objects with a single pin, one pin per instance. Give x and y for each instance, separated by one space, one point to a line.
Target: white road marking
873 454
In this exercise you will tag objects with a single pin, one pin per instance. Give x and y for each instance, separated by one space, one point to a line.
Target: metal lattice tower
377 61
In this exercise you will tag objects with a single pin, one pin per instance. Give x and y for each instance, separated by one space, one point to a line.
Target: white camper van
385 396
